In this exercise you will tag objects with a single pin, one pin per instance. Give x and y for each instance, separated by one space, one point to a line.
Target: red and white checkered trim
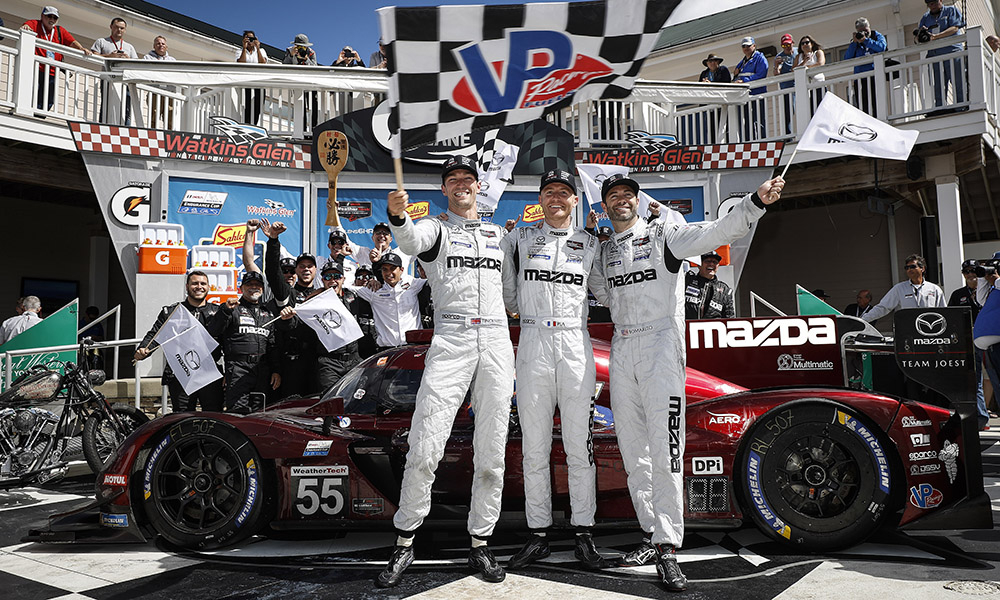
93 137
742 156
132 141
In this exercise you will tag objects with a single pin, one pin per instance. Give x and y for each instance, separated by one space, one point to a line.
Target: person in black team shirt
210 396
705 295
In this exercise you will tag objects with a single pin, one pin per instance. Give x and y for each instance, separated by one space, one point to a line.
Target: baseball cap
748 41
787 39
605 230
712 254
50 10
337 234
304 256
287 263
969 264
820 293
557 176
618 179
332 265
391 259
252 276
382 225
459 162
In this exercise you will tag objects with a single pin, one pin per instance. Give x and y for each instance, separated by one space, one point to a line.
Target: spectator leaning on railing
45 27
752 67
253 98
115 46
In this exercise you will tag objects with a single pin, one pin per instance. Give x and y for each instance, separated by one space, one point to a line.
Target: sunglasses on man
908 267
332 276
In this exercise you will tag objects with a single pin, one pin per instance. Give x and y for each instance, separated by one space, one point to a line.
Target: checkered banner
232 148
687 158
456 69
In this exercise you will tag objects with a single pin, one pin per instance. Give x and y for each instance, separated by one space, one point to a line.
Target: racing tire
203 485
816 475
101 438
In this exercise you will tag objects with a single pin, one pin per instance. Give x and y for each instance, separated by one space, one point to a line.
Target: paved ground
742 564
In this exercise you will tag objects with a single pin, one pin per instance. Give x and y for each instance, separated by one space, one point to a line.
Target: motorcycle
35 441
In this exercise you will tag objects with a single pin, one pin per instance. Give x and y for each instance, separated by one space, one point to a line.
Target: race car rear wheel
815 474
203 485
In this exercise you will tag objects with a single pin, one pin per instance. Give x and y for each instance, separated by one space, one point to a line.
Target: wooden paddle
331 146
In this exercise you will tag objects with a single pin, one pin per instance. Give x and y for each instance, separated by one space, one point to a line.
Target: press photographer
348 58
300 52
939 22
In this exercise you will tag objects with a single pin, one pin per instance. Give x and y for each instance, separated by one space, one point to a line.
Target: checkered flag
456 69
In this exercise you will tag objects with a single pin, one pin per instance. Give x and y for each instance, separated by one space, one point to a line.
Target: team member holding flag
195 302
545 274
640 267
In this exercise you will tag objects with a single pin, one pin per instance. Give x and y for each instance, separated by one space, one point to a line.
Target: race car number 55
320 491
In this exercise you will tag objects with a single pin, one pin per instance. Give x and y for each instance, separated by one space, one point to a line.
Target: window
400 387
357 389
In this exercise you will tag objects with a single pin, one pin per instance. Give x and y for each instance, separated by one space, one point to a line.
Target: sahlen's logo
525 69
857 133
931 324
130 205
238 133
192 359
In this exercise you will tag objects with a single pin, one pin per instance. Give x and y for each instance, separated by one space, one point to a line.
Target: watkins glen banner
456 69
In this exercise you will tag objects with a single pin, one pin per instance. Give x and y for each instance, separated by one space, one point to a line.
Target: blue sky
332 24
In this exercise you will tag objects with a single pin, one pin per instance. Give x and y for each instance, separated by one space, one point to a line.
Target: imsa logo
762 332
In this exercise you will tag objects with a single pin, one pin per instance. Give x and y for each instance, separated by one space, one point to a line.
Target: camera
348 52
860 35
987 267
923 35
251 39
303 51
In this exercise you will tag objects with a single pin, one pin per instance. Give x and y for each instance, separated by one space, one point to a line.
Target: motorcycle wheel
816 475
101 438
203 485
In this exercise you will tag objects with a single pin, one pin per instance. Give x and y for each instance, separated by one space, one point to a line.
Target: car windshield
401 387
357 389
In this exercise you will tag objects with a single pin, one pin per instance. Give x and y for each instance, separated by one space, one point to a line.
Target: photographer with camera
301 53
864 42
251 52
348 58
966 296
940 22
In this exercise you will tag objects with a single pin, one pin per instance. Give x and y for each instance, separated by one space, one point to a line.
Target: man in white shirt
14 326
915 292
395 304
253 98
159 51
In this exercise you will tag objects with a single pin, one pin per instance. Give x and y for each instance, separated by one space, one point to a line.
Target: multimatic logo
795 362
553 277
474 262
674 425
630 278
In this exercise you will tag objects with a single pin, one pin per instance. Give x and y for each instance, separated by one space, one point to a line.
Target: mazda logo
857 133
333 319
931 324
484 186
192 359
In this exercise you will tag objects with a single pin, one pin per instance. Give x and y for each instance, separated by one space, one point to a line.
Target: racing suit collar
462 222
547 229
636 229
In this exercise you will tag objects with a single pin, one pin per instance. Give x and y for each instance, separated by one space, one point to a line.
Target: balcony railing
900 87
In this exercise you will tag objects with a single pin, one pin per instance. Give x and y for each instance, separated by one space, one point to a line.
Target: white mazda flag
187 348
496 170
839 128
667 214
593 175
333 323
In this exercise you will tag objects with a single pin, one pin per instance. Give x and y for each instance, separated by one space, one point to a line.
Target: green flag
58 329
811 305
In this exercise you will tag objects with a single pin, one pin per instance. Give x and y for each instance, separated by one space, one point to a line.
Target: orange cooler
161 249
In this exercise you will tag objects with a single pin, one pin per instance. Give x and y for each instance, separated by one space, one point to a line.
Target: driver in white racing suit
463 262
641 269
545 280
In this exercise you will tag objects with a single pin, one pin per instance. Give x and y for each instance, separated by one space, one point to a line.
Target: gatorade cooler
209 256
222 284
161 249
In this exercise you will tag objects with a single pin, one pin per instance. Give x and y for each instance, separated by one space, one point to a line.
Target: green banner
58 329
811 305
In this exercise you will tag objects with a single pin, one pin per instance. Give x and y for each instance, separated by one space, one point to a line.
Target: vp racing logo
525 69
857 133
238 133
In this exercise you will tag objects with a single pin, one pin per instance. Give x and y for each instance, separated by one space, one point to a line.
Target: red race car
813 465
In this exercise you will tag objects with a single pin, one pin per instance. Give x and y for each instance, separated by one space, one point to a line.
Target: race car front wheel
815 474
203 485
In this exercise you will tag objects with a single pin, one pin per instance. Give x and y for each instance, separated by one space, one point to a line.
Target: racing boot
587 553
402 557
481 559
643 554
536 548
668 569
